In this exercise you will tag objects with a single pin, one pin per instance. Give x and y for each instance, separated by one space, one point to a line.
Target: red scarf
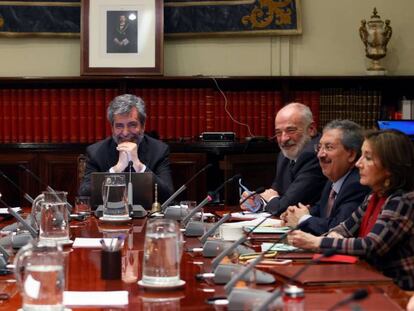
374 207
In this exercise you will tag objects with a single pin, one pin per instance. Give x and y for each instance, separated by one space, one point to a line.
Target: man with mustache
129 144
298 174
338 150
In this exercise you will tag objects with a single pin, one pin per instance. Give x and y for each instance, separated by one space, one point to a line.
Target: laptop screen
142 184
405 126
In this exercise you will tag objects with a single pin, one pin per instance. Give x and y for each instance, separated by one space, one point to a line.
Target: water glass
54 223
115 198
162 253
82 205
40 275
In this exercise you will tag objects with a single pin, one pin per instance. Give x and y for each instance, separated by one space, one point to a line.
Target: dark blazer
350 196
153 153
303 182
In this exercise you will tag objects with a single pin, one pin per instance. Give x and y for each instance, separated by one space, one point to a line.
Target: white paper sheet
4 210
110 298
90 242
281 247
249 215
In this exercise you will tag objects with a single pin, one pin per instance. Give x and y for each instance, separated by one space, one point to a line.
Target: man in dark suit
129 145
298 175
338 150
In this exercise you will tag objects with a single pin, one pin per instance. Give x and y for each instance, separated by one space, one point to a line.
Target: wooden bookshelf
54 154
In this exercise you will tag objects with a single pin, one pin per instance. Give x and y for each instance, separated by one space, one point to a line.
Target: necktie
331 200
291 165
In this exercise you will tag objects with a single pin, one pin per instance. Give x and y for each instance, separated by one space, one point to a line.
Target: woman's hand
304 240
334 235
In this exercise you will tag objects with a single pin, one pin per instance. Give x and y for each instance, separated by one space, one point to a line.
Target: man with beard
338 150
129 145
298 174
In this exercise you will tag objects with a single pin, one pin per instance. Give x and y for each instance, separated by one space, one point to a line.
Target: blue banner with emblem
181 17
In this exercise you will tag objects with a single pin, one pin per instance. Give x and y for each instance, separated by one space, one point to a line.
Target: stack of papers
90 242
232 231
4 211
267 229
249 215
114 298
280 247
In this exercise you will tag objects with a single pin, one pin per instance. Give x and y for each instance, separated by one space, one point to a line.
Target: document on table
4 210
281 247
91 242
249 215
103 298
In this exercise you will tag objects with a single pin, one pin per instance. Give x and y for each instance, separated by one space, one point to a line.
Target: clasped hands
128 151
252 201
299 238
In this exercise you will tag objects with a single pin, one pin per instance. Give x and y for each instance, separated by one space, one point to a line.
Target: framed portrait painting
122 37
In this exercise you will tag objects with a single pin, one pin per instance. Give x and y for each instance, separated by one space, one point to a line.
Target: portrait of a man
122 29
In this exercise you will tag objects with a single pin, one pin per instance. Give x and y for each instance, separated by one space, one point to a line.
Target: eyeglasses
325 147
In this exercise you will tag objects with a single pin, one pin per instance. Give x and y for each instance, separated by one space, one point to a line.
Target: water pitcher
39 271
54 223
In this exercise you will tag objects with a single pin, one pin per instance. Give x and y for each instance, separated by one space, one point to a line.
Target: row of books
360 106
54 115
78 115
185 113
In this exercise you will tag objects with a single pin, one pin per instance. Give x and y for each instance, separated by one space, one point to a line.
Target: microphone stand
69 207
216 261
130 189
229 286
207 199
20 219
25 194
212 247
278 292
182 188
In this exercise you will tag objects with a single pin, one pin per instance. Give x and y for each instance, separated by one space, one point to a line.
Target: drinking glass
40 275
54 224
115 198
82 205
162 253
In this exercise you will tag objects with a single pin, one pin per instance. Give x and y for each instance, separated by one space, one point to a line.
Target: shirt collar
337 185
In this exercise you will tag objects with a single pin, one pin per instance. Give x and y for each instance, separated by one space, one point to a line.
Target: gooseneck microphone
20 219
210 231
254 193
182 188
357 295
227 216
130 189
237 277
25 194
37 178
208 198
216 261
278 292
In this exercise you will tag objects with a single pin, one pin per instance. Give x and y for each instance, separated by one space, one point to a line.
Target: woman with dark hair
382 228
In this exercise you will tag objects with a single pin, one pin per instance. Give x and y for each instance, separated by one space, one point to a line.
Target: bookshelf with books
63 115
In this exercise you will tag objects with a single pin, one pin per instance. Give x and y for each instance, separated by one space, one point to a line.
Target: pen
104 247
119 241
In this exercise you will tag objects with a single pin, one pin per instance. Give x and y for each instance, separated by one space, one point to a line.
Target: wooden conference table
83 274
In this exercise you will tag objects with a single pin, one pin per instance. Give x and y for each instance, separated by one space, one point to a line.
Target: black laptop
142 184
405 126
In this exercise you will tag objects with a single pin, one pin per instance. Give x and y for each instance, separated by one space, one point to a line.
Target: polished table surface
83 274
